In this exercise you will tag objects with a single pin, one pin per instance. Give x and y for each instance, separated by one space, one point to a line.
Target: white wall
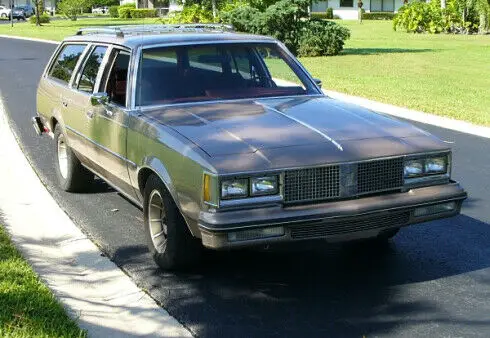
346 13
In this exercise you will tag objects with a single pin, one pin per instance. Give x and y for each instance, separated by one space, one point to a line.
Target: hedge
114 11
43 18
143 13
323 15
378 16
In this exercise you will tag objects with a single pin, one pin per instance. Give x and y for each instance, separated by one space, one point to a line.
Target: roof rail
121 31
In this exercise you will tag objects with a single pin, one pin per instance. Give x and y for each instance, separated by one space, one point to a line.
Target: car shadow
318 289
377 51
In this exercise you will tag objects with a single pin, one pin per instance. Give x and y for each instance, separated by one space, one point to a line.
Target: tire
4 15
387 235
170 242
72 175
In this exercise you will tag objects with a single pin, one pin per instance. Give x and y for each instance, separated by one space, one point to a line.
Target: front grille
342 181
312 184
331 228
379 175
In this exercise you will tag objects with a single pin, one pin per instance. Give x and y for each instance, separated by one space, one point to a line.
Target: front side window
213 72
64 65
91 69
116 81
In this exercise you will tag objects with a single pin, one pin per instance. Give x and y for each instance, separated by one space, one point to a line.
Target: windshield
219 71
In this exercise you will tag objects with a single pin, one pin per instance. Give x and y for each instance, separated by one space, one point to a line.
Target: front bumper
334 221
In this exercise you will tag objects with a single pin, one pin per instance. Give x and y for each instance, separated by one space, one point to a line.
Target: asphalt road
433 280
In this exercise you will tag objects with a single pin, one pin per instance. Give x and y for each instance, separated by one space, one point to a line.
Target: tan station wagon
226 141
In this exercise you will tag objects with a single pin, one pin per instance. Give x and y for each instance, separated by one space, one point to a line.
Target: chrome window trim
281 46
77 68
78 76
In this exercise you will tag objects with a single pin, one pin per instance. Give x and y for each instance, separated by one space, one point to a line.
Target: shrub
243 19
285 21
288 21
329 13
378 16
322 38
191 14
421 17
43 18
113 11
143 13
318 15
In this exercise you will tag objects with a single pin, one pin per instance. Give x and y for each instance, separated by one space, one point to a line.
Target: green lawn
442 74
27 307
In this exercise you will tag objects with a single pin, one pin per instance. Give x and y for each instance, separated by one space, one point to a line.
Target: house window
346 3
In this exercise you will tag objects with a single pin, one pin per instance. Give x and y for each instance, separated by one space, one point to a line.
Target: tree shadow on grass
377 51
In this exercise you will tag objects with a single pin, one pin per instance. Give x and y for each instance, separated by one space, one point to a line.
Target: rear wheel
72 175
169 240
4 15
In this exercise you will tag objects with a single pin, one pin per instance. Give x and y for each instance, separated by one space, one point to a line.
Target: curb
94 291
29 39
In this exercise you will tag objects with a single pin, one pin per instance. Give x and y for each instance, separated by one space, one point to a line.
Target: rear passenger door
54 94
80 112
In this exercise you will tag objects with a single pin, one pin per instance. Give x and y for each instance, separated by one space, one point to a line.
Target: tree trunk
38 17
483 23
214 8
443 3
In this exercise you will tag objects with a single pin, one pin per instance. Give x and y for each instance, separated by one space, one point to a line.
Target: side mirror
99 99
318 82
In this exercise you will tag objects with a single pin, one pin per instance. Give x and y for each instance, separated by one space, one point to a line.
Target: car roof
147 35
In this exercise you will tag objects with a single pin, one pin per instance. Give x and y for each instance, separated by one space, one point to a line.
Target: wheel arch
158 169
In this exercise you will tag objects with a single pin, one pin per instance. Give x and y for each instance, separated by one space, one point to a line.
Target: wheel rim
62 156
157 221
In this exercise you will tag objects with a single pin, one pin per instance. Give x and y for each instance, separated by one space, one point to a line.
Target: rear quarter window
62 69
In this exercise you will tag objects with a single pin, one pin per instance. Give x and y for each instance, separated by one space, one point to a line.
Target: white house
171 5
347 9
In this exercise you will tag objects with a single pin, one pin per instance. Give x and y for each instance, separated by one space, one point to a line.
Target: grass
59 29
442 74
27 307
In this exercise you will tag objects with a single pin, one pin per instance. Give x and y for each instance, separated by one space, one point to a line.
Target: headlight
413 168
436 165
425 166
264 186
234 188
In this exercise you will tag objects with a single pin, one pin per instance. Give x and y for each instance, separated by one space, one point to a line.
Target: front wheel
72 175
169 240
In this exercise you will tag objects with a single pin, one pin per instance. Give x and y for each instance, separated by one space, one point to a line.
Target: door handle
90 114
109 113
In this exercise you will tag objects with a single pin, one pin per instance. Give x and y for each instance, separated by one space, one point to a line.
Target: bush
378 16
322 38
288 21
143 13
43 18
191 14
113 11
421 17
243 19
329 13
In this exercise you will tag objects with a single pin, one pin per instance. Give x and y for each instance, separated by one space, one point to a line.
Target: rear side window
64 65
91 69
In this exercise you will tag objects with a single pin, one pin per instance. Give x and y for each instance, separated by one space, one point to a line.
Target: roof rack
121 31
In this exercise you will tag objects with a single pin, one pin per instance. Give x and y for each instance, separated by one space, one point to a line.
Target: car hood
312 124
